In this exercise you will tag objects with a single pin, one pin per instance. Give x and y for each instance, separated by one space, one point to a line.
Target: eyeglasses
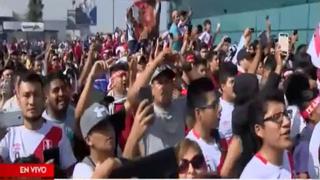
213 105
278 117
197 162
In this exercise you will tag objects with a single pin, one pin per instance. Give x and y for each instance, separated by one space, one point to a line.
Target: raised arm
221 43
88 65
247 36
142 121
145 77
256 60
99 67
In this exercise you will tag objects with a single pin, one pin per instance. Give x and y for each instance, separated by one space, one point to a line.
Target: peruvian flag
314 47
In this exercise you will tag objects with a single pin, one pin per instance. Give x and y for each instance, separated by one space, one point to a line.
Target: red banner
27 170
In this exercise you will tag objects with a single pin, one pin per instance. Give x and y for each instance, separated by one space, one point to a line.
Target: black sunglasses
197 162
278 117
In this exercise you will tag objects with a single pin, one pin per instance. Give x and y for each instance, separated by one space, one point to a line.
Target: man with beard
36 135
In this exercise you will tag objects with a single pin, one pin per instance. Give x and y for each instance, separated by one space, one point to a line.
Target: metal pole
308 21
113 15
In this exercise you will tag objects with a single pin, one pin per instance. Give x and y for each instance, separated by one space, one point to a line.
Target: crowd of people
180 104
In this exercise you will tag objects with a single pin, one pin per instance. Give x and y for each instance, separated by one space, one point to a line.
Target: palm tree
35 10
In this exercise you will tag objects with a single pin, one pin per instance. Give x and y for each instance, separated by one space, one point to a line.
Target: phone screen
284 42
145 93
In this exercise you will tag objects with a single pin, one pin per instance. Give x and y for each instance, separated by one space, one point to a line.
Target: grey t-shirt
168 127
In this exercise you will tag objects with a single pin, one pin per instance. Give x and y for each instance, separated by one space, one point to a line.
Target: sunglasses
278 117
197 162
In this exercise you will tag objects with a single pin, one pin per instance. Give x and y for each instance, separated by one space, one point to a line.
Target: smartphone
145 93
295 32
283 40
267 17
218 25
252 30
52 153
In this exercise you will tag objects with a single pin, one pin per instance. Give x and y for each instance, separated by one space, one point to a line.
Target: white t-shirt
298 123
11 105
225 124
67 124
206 38
314 164
259 168
210 151
82 170
167 129
22 142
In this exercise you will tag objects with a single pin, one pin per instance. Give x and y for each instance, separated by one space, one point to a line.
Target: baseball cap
119 66
95 115
163 70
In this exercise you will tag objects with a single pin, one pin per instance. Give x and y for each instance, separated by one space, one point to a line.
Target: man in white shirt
206 36
227 73
204 109
272 128
36 135
58 108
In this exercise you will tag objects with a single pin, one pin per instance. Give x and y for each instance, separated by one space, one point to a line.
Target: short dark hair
200 62
211 55
30 77
207 21
227 70
294 86
199 28
228 40
203 46
54 76
196 90
270 63
183 13
259 107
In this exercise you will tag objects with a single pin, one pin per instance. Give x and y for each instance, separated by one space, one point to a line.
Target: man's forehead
30 86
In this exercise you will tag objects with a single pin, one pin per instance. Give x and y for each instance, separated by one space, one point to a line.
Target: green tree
35 10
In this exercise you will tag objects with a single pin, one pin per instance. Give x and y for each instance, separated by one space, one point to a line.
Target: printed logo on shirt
16 150
47 144
100 111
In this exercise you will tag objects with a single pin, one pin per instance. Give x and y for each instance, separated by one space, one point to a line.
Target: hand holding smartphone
145 93
283 40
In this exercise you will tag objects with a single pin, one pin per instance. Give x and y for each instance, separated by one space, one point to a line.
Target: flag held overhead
314 47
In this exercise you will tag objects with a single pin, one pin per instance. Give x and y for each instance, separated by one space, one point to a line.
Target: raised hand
142 119
167 51
99 68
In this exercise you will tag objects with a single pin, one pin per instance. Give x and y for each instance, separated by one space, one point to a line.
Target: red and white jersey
22 142
210 151
259 168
